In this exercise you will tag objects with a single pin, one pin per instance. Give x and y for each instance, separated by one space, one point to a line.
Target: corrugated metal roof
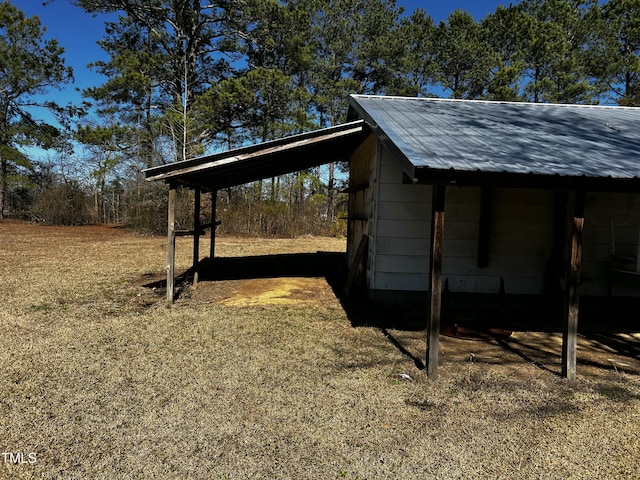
494 137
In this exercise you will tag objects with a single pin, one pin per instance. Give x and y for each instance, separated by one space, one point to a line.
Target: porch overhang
265 160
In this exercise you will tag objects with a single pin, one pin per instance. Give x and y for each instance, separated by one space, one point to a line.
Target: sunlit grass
102 381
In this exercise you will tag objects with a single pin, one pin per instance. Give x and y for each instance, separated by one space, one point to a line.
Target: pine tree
556 35
464 58
198 44
29 67
614 56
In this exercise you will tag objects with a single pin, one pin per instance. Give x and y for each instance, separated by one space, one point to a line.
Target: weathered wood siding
361 201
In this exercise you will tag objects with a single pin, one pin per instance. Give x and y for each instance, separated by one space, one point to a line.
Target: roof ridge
495 102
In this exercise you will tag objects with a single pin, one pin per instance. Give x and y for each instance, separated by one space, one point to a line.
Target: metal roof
450 141
501 137
264 160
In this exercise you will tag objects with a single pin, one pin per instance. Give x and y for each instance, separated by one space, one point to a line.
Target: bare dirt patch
101 380
278 291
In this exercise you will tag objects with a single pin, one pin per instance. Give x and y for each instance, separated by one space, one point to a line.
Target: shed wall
362 180
520 240
400 246
612 223
521 234
519 246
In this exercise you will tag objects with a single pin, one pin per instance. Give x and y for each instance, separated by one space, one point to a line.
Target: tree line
185 77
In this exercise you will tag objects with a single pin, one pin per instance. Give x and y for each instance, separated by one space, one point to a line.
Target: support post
212 246
435 279
196 234
171 244
572 277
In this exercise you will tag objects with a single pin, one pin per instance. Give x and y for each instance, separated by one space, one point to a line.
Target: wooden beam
171 245
196 234
204 226
435 279
570 330
189 233
428 176
214 223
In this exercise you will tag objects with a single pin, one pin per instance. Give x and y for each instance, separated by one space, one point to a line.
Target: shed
527 188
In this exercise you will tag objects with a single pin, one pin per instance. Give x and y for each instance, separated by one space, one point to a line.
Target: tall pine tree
29 67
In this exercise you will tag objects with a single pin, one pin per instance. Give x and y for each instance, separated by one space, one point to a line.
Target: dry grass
102 381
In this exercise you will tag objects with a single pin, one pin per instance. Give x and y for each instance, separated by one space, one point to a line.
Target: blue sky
78 32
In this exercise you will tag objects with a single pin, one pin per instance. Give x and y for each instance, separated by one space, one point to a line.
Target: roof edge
503 102
162 172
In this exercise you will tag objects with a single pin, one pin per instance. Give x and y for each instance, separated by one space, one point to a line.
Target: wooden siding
520 235
361 198
400 258
608 218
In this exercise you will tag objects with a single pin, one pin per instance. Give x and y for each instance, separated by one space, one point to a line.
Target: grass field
267 378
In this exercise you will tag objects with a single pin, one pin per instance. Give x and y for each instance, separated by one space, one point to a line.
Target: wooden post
171 244
212 246
196 234
572 279
435 279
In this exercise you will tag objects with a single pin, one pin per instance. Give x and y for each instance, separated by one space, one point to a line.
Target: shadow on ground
607 326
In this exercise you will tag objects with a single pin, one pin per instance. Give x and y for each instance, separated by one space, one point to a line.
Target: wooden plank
559 227
523 232
462 196
401 246
403 229
391 174
196 227
189 233
467 248
401 263
204 226
401 281
362 159
357 260
500 266
409 211
435 280
388 158
486 284
389 192
464 212
212 246
196 235
426 175
171 245
570 330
